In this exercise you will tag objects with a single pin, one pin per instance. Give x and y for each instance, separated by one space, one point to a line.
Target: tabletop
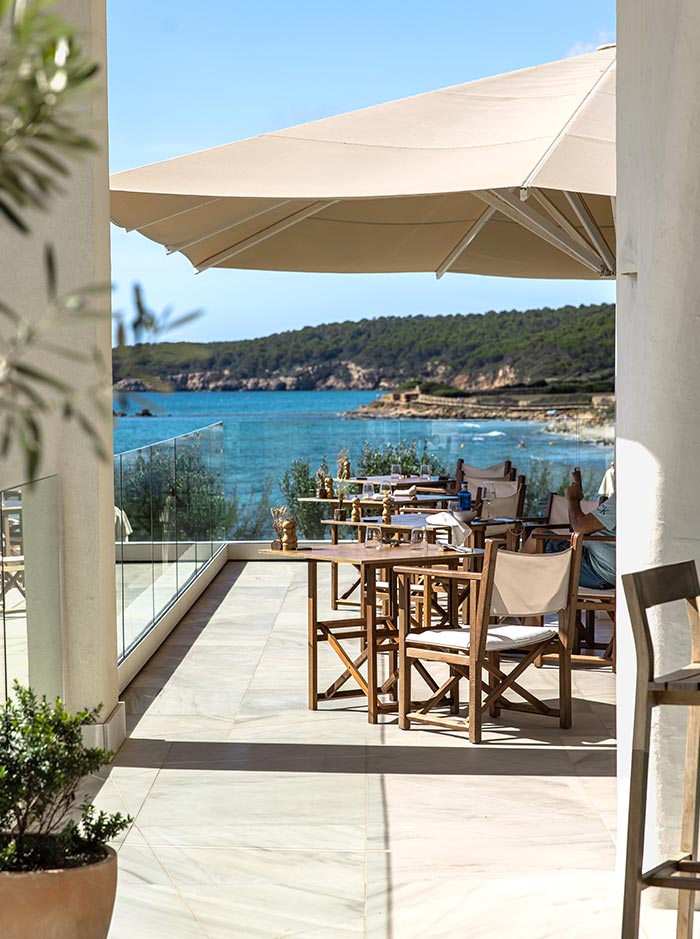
397 480
406 522
353 552
421 498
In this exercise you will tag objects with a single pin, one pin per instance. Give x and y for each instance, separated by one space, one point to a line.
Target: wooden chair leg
636 818
454 697
494 709
475 695
404 689
565 704
689 822
613 616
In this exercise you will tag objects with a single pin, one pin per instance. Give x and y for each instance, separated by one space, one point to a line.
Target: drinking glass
488 494
425 471
395 470
373 536
418 539
384 489
368 490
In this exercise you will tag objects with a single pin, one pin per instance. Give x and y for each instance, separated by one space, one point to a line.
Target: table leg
393 619
312 608
369 599
334 570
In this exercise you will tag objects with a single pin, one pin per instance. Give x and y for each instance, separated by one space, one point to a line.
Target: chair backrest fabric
559 509
504 507
531 584
498 471
503 487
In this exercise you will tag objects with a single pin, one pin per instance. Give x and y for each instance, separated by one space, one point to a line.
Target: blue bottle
464 499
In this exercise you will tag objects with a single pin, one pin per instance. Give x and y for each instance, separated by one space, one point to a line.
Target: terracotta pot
71 903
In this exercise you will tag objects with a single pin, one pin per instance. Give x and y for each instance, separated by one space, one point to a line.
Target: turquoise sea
265 430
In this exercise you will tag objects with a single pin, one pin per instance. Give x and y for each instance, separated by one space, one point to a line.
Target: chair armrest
549 533
441 572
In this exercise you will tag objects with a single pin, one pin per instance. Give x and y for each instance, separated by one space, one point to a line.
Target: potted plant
340 513
58 877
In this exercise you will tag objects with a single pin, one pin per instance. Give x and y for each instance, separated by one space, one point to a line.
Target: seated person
598 559
607 485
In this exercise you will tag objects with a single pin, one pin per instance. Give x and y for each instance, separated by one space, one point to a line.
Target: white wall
77 224
658 350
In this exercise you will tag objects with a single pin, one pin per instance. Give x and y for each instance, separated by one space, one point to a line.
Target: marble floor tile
255 818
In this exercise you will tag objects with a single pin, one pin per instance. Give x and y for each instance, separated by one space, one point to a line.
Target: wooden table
400 481
400 524
377 632
427 499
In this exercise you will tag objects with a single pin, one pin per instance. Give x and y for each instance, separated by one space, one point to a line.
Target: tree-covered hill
466 351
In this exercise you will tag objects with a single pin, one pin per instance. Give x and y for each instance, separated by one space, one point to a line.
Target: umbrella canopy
512 175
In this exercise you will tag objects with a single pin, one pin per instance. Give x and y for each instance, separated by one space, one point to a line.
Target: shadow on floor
593 760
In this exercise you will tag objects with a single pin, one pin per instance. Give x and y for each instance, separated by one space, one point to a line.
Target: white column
77 224
658 358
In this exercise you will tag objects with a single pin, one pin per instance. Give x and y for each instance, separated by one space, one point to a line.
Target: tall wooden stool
644 590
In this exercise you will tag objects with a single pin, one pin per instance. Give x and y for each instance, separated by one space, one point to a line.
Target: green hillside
461 350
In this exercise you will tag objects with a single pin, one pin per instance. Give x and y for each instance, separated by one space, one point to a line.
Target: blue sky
184 76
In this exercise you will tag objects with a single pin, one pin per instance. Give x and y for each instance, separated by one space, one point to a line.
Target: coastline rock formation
469 353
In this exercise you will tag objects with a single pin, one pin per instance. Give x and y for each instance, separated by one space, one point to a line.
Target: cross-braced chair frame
643 591
476 593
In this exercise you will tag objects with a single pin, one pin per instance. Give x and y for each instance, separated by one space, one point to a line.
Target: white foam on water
495 433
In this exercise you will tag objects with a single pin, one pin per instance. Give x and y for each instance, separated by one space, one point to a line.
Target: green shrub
299 480
159 490
376 460
544 477
42 763
250 518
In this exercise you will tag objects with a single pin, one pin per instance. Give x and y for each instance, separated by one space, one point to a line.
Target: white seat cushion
588 593
501 637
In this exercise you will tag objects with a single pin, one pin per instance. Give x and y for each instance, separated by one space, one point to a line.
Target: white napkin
410 492
460 530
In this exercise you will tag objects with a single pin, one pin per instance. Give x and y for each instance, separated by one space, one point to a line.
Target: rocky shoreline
592 420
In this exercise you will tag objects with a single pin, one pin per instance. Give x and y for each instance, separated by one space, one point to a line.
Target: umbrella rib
559 217
560 136
591 228
166 218
465 241
509 205
282 225
248 217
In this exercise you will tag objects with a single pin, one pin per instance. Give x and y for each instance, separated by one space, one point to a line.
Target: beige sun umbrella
512 175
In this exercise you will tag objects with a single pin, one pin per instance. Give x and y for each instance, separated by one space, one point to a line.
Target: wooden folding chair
589 603
644 590
504 470
510 587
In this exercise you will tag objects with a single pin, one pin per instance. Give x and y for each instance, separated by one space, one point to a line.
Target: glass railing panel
137 548
205 539
14 592
193 502
165 524
122 534
221 505
170 499
30 590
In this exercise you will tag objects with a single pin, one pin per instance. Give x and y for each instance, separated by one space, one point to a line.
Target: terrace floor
255 817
